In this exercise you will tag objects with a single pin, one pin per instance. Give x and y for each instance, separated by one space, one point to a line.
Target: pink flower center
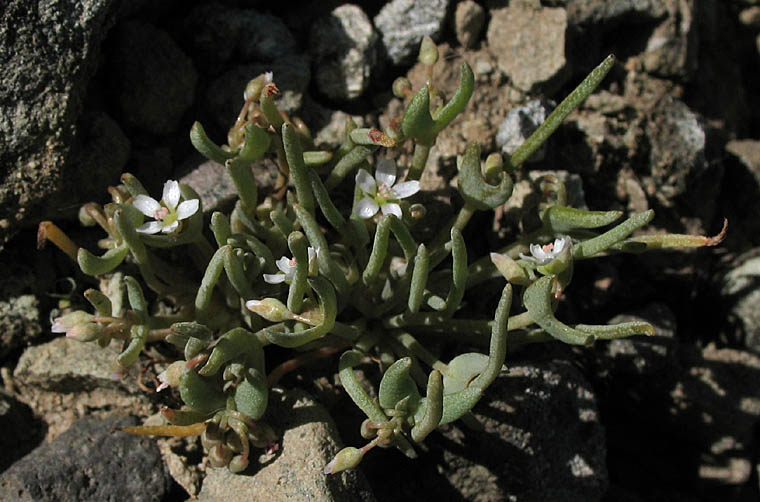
548 247
161 213
292 262
384 191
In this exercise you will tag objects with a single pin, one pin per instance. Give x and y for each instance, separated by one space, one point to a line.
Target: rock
741 293
224 97
154 81
671 50
215 187
469 19
595 12
343 47
641 356
520 124
716 405
19 430
100 156
529 43
64 380
309 441
741 194
216 34
67 365
538 418
677 156
48 54
90 461
19 309
403 24
540 438
748 152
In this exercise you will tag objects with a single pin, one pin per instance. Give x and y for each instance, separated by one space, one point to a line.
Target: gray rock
469 19
102 152
529 43
716 406
224 97
19 311
748 152
671 50
741 291
308 442
67 365
582 12
90 461
677 156
215 34
18 429
64 379
154 81
520 123
343 47
542 439
48 54
643 356
215 187
403 24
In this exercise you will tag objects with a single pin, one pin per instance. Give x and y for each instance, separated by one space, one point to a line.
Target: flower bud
170 376
428 52
401 87
347 458
271 309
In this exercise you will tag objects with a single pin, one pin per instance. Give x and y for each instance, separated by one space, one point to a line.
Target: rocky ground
92 88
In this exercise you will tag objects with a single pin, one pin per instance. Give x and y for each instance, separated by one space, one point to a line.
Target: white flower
168 214
542 255
287 268
380 193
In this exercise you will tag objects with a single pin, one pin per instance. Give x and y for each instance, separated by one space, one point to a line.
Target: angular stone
153 79
308 442
48 53
67 365
520 123
529 43
403 24
606 12
469 19
90 461
677 156
538 418
343 47
741 293
19 430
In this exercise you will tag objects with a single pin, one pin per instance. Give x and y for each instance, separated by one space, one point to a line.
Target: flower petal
151 227
274 278
146 205
365 182
171 227
187 208
391 208
284 264
171 194
527 258
366 208
406 189
385 172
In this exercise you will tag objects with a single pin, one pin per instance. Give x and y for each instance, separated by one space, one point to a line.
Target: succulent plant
302 269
